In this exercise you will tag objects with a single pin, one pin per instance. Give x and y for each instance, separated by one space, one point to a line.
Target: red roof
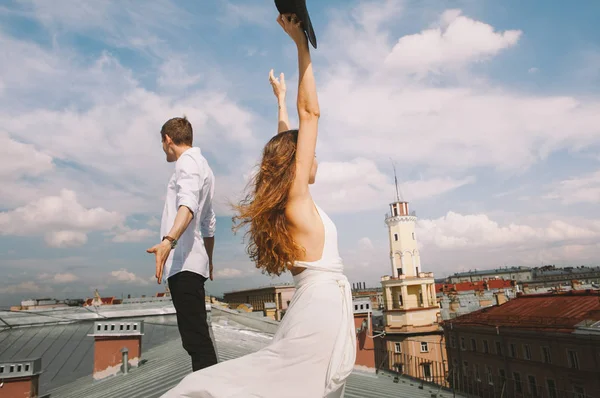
556 311
477 286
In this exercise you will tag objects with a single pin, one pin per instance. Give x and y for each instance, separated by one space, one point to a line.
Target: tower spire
396 181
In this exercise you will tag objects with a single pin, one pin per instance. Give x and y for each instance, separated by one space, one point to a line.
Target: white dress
312 352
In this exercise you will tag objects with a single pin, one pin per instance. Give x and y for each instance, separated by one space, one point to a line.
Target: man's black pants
187 292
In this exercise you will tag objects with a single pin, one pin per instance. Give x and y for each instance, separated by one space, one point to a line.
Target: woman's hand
293 27
279 88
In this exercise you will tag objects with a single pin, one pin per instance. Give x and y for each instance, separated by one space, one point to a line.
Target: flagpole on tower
396 181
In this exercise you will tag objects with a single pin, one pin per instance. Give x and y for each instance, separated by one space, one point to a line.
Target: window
546 355
465 368
399 367
527 352
498 348
400 271
400 301
502 376
424 346
427 370
473 345
513 350
395 211
552 393
518 386
396 237
413 235
397 348
532 386
573 359
462 344
476 369
490 376
578 392
453 341
486 348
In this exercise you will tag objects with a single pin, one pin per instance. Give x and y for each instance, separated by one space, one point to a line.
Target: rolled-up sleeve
188 180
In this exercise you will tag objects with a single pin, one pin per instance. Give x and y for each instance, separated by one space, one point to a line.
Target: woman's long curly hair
270 244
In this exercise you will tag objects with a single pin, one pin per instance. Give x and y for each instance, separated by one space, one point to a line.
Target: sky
490 112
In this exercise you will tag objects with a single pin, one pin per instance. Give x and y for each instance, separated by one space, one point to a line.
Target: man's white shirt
191 185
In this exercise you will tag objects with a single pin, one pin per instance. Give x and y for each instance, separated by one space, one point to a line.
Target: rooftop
67 352
280 286
474 286
492 271
559 312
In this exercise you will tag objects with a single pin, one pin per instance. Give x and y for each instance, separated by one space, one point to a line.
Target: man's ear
168 139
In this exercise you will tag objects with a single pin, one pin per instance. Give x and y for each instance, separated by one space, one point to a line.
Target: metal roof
166 364
67 351
557 311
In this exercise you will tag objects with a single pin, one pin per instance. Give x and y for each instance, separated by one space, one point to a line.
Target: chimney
20 378
114 341
500 298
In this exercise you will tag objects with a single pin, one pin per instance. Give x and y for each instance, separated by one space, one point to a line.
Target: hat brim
298 7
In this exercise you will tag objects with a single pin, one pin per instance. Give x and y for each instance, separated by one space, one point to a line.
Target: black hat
298 7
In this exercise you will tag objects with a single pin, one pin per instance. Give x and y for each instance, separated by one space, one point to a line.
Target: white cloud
365 243
62 239
583 189
459 41
446 126
63 217
456 231
359 185
123 275
533 70
228 273
19 159
134 235
59 278
25 287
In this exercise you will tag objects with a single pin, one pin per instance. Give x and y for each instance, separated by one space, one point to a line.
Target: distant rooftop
279 286
562 312
474 286
504 270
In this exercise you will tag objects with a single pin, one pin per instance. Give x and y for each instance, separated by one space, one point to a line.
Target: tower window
395 211
396 237
413 234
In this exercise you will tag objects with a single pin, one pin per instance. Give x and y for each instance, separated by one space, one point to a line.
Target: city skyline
488 111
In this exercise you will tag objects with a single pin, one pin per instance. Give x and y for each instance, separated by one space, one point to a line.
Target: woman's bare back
307 229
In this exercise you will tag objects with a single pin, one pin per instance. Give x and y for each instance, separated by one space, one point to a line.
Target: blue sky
488 109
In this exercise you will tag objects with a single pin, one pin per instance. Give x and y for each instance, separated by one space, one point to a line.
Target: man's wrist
169 240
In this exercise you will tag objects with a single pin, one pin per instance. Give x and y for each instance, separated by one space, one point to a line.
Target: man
184 256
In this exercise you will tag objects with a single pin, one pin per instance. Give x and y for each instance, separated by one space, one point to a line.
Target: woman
314 349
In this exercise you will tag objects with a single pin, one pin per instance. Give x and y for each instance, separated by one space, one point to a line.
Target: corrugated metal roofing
168 363
560 311
67 352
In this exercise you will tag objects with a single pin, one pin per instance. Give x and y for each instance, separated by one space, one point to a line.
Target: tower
404 253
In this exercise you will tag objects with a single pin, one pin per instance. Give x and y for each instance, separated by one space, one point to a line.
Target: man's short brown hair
179 129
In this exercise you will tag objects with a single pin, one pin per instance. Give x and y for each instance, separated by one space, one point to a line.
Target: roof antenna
398 193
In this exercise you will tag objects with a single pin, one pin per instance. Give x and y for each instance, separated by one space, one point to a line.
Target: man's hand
161 253
210 270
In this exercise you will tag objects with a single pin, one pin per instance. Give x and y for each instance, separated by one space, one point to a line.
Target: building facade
545 345
413 342
277 298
